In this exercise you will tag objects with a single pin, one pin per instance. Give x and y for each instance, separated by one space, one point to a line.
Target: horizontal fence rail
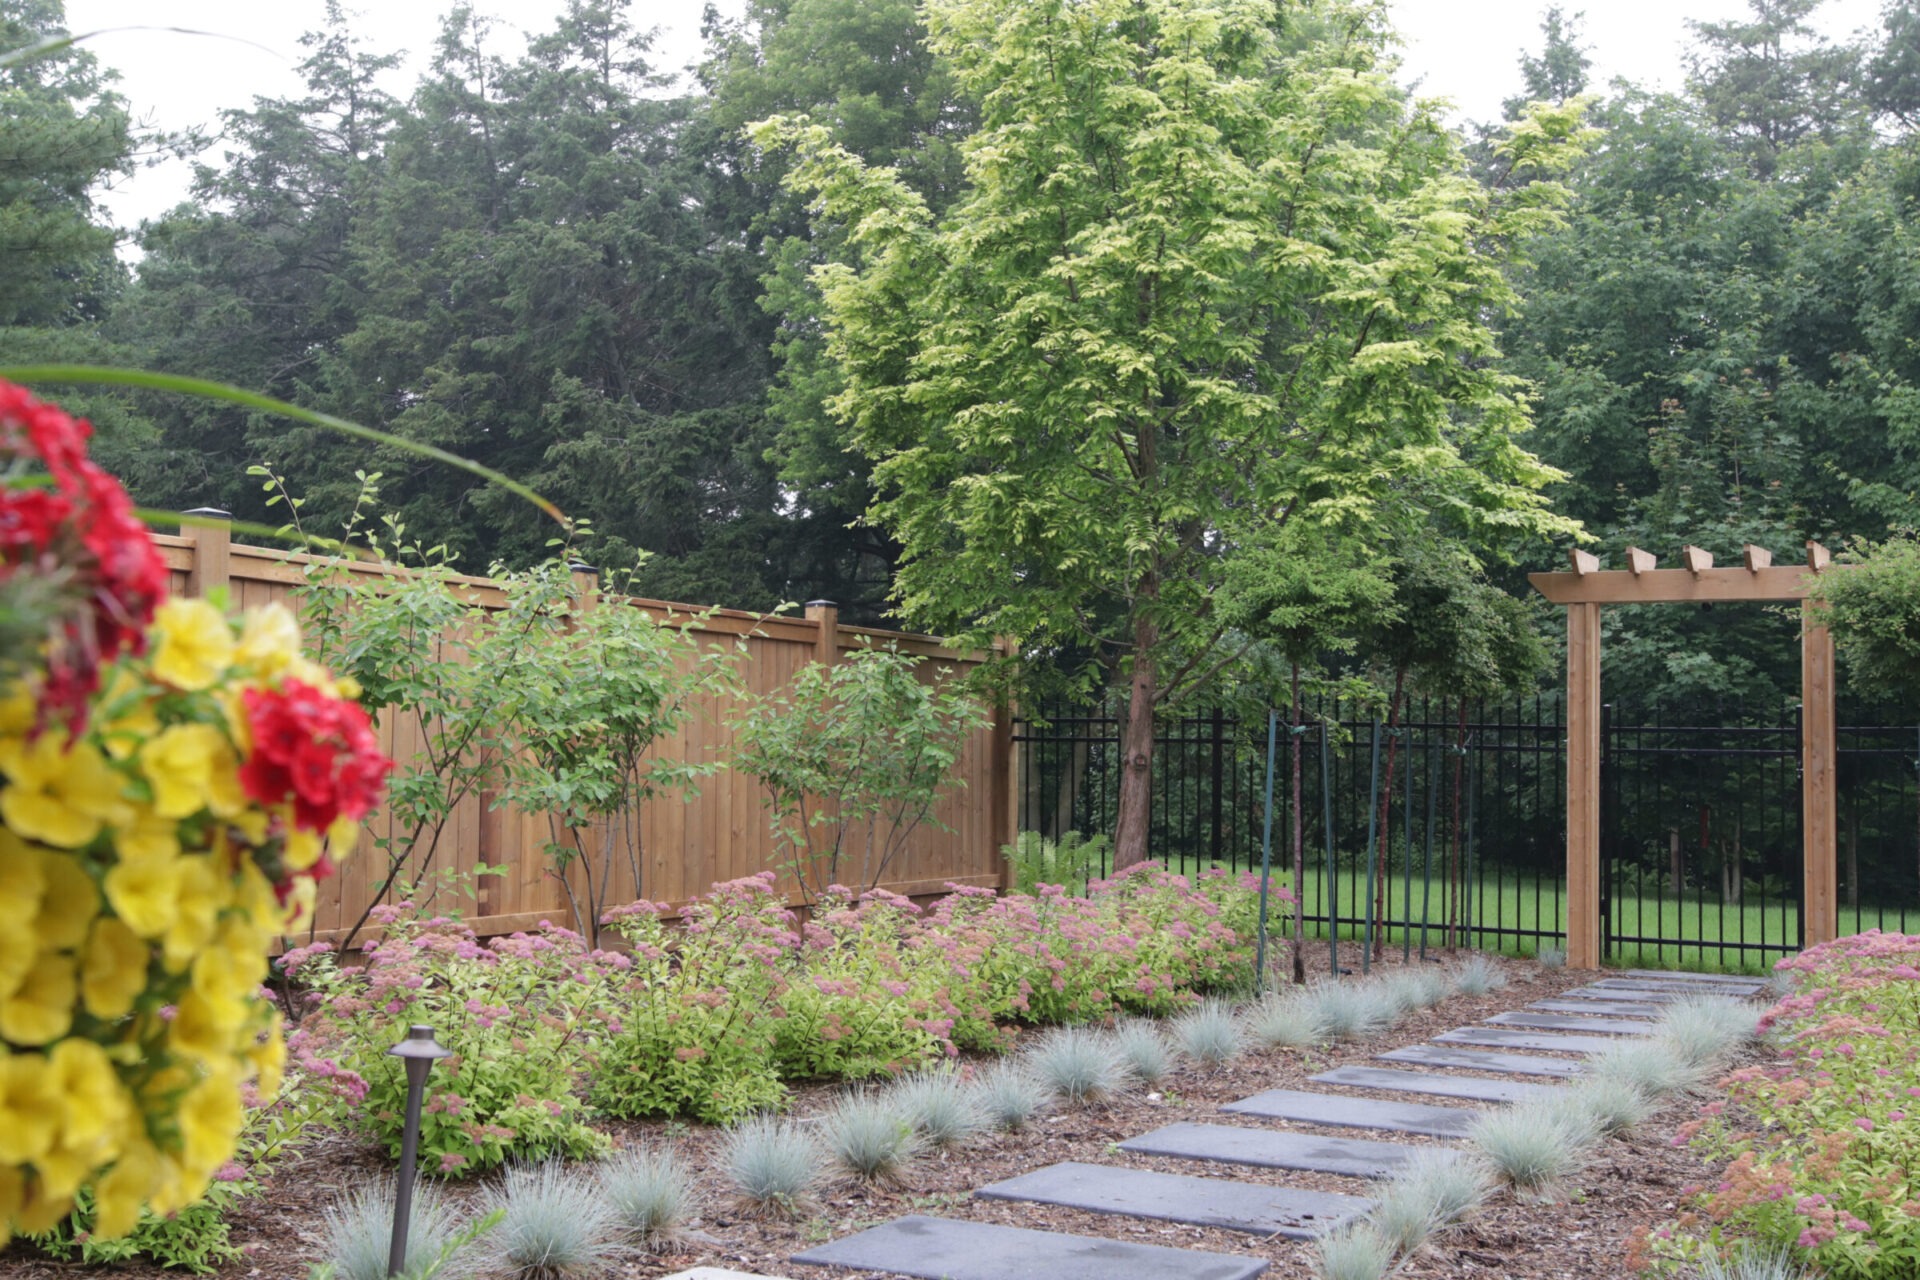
1700 821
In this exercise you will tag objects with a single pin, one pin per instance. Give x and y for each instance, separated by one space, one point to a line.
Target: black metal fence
1450 827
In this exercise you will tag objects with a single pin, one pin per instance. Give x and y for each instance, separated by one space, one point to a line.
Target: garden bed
1634 1184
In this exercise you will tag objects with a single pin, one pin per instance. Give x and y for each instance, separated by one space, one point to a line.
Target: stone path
946 1249
1513 1064
1358 1113
1205 1202
1564 1022
1354 1157
1584 1020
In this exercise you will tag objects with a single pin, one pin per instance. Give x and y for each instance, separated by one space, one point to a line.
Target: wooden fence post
1003 806
825 614
212 551
1819 846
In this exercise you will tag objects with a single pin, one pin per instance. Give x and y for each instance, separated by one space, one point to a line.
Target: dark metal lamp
419 1051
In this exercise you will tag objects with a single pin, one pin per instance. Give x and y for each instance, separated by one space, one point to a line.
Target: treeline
567 268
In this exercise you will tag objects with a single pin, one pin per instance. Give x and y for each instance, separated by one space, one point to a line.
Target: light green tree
1211 271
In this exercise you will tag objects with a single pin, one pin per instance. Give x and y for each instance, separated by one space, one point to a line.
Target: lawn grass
1684 933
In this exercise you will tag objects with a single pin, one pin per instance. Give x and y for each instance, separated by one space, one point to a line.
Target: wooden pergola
1583 591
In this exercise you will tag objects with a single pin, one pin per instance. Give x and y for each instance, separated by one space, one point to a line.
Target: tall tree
1211 272
1560 70
1771 81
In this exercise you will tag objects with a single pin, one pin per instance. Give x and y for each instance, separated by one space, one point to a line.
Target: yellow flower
59 796
211 1116
269 1058
201 1032
21 882
300 902
303 848
96 1103
42 1209
13 1194
69 905
146 894
18 711
147 837
195 644
18 950
29 1110
42 1009
199 900
119 1195
193 766
270 639
114 972
228 972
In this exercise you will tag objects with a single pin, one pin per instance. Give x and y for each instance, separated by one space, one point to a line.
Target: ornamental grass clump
773 1167
1551 957
1284 1021
870 1137
1478 976
1750 1262
943 1110
1351 1010
555 1224
1533 1145
1434 1183
1079 1066
1706 1030
1010 1095
1144 1050
1614 1104
651 1192
1355 1253
1209 1033
357 1231
1651 1068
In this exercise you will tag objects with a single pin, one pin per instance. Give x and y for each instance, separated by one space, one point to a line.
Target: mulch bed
1582 1234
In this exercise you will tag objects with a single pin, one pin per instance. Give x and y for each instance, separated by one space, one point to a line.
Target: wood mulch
1583 1233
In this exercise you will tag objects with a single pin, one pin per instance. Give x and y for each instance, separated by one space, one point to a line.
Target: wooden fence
687 844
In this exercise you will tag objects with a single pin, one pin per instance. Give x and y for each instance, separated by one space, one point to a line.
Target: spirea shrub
171 780
516 1011
1817 1142
689 1028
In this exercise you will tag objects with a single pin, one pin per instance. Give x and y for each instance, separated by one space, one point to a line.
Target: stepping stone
1354 1157
1513 1064
1204 1202
1537 1041
1680 988
1598 1008
719 1273
943 1249
1358 1113
1470 1087
1563 1022
1597 994
1676 975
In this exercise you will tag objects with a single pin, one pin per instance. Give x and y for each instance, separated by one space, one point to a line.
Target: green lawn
1527 905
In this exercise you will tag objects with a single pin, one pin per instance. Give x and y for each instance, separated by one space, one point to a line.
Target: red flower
82 534
312 749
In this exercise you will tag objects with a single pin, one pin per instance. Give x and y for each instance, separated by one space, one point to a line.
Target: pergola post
1819 824
1583 786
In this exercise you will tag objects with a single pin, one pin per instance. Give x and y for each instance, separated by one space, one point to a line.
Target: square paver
1354 1157
1473 1088
1597 993
1358 1113
943 1249
1599 1008
1207 1202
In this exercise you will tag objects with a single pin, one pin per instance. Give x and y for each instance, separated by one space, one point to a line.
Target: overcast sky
1463 50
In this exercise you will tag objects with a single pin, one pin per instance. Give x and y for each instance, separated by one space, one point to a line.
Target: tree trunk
1299 850
1136 752
1386 809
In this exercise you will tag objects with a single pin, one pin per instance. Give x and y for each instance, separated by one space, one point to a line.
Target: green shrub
1069 862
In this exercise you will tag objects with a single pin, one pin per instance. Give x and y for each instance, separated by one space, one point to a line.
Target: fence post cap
581 566
208 513
823 604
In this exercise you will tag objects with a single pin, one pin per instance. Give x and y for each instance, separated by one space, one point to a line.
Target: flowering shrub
167 799
515 1011
861 1002
1828 1167
689 1028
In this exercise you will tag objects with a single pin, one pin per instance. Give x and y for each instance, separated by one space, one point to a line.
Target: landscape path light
420 1051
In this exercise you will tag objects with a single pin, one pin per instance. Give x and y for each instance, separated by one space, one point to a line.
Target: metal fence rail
1700 822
